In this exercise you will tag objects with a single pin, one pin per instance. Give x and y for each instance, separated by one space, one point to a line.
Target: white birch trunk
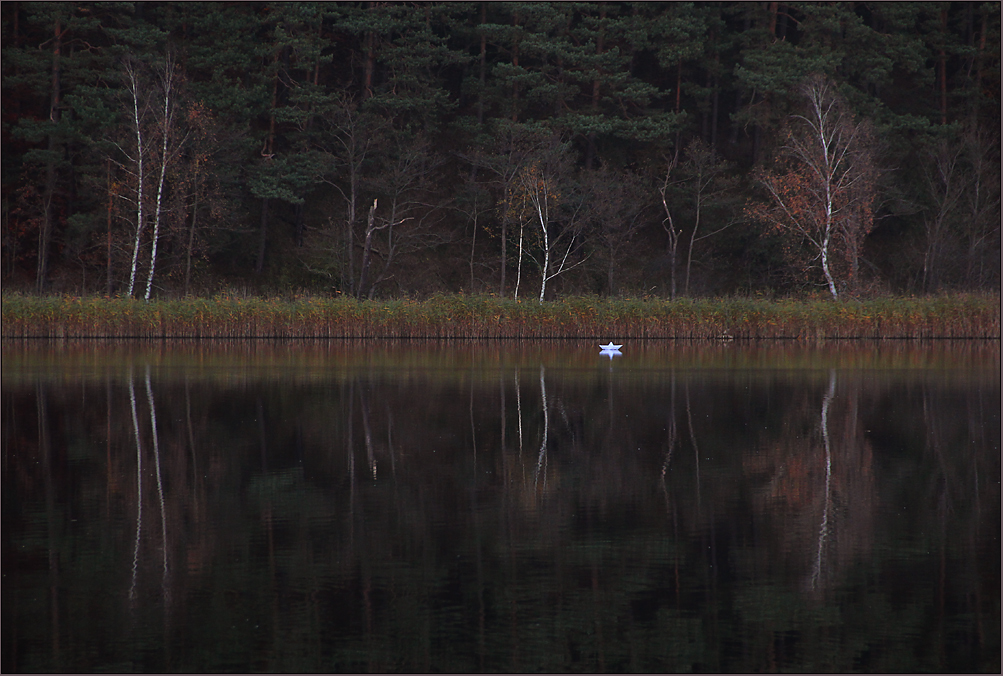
827 239
825 262
546 242
668 224
518 274
134 90
165 128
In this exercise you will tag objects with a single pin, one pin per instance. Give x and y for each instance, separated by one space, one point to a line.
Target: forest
528 150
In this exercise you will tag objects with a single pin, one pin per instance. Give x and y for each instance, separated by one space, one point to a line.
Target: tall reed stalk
458 316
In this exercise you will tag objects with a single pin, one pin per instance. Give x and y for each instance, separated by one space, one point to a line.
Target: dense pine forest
529 150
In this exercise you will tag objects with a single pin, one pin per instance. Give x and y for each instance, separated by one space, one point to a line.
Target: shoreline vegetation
224 316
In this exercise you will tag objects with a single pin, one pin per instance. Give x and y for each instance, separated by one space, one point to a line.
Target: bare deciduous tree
707 184
961 209
616 203
945 189
405 180
350 135
669 223
982 206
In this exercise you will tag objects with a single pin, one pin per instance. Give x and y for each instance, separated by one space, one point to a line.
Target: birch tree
538 188
154 143
823 188
516 208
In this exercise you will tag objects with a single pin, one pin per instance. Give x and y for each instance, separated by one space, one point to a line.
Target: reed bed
459 316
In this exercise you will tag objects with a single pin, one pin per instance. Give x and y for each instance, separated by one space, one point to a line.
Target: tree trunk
44 237
299 218
259 266
979 63
679 85
140 197
591 147
825 260
370 67
943 69
389 259
782 24
696 226
353 192
518 274
191 240
483 66
473 248
165 132
504 257
268 152
679 89
714 114
111 200
673 256
515 64
668 224
705 115
546 256
609 271
366 248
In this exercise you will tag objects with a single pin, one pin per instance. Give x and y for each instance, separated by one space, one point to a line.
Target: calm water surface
503 506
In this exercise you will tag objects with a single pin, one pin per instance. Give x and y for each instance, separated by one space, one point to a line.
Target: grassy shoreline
458 316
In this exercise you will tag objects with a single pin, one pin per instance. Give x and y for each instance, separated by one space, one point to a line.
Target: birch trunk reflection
139 486
824 528
542 457
518 405
160 485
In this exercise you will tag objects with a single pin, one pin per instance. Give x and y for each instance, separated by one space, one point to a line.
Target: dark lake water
501 506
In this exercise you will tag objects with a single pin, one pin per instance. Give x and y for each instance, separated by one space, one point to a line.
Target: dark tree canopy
375 148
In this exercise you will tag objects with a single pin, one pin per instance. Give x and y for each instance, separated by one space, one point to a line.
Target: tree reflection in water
697 507
823 529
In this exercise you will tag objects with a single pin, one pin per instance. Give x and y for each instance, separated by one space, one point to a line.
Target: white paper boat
610 347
